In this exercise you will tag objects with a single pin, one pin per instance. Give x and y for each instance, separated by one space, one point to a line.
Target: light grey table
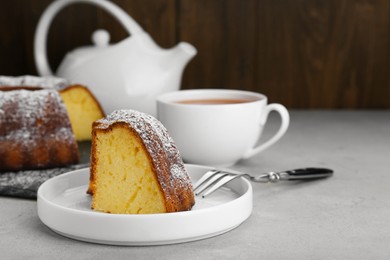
344 217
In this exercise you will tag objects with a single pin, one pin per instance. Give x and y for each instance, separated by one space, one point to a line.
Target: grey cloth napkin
25 184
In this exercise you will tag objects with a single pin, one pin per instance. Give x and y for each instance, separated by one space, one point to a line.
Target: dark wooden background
325 54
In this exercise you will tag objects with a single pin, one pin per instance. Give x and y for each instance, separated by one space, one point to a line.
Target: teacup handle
282 129
41 62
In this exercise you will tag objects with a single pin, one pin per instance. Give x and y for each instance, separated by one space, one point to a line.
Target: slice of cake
83 110
136 167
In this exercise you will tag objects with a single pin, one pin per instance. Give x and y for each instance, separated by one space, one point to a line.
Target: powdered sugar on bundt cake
27 109
35 130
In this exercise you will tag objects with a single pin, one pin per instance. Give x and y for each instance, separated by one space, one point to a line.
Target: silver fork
215 179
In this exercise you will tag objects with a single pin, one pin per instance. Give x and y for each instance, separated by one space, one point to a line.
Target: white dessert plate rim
63 206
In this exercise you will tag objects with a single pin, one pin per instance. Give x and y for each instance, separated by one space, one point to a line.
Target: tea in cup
218 127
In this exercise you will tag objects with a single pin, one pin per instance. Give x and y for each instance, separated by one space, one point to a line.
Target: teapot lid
100 39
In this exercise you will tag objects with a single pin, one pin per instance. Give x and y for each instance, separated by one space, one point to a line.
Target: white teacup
218 127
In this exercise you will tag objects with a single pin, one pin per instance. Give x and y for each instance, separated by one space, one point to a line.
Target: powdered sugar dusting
25 116
156 139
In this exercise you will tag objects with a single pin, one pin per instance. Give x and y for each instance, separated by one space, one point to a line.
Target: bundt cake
35 130
82 106
136 167
83 109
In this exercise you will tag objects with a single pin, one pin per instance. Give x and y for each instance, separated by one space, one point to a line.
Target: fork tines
211 181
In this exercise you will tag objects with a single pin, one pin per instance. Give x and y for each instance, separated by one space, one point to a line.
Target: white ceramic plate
64 207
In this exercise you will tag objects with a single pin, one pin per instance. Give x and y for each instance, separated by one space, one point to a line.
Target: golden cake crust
163 155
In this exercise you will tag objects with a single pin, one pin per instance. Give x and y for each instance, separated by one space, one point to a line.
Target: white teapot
128 74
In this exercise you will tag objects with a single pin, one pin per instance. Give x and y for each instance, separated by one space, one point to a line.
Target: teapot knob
100 38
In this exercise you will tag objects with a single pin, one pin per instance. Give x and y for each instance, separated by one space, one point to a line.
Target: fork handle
306 173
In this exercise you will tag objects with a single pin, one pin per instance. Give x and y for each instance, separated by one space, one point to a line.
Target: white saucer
64 207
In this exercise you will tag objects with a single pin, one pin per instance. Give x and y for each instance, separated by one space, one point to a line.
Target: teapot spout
182 54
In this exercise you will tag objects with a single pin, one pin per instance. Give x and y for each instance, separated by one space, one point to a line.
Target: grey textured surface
344 217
